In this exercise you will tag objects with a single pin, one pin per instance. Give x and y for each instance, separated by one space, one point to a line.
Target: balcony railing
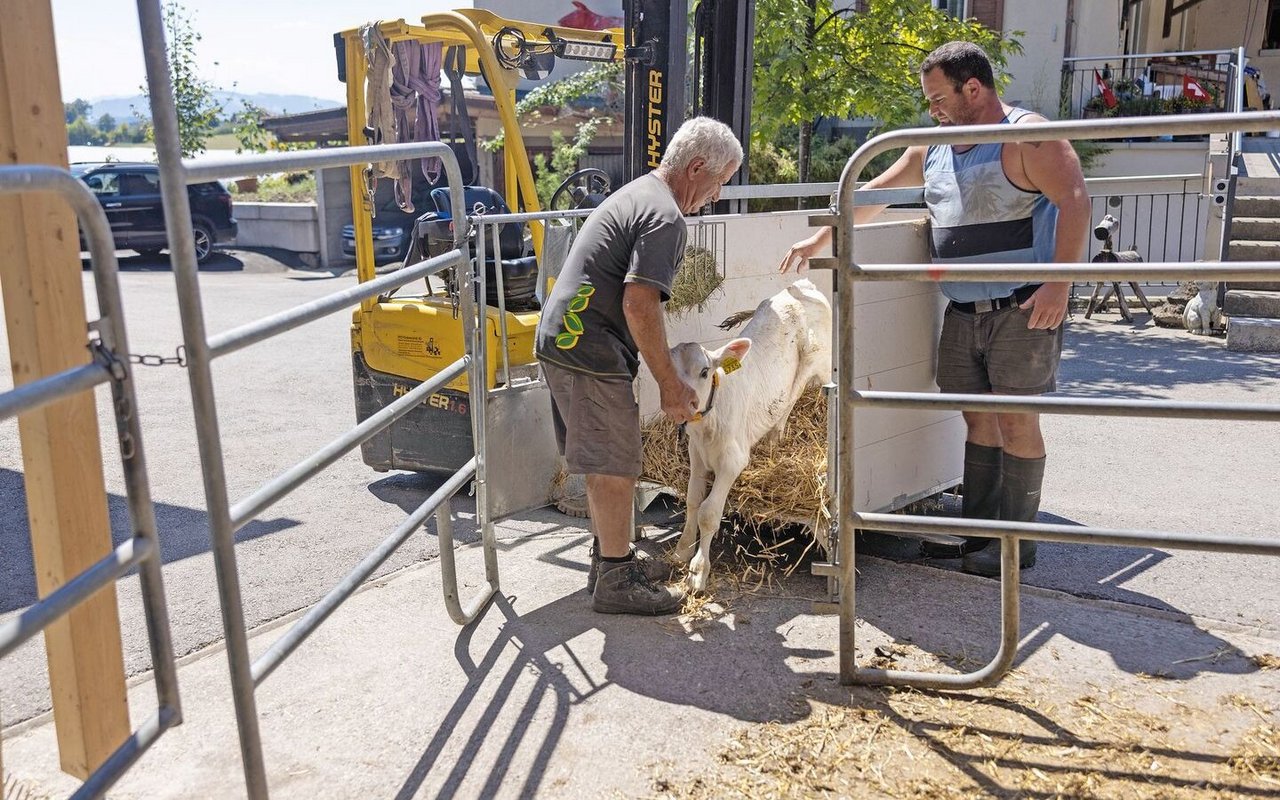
1150 84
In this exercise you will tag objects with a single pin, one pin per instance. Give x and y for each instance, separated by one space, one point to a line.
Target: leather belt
1019 296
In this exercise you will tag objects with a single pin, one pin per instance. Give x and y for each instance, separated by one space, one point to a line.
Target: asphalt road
280 402
277 403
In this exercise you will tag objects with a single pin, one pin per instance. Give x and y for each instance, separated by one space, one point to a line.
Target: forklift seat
519 266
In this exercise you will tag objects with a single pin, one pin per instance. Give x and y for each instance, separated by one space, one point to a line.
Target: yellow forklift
401 339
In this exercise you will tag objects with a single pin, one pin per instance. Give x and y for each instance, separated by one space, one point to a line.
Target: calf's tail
734 320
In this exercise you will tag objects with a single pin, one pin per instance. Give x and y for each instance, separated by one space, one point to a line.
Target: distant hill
122 108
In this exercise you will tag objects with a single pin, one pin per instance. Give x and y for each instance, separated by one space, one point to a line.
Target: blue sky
271 46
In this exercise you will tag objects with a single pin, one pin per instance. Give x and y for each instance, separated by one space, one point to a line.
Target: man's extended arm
642 306
1053 168
908 170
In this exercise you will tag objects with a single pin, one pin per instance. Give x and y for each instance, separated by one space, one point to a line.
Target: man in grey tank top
605 314
1017 202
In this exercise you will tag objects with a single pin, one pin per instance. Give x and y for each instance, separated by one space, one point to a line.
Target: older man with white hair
602 316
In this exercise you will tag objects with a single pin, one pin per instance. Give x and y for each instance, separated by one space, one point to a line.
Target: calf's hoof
699 572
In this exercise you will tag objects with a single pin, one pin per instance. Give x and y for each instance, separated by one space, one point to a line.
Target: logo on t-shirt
567 339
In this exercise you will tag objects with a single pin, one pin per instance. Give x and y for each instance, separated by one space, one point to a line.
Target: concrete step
1254 286
1258 187
1253 335
1246 303
1255 206
1247 250
1258 229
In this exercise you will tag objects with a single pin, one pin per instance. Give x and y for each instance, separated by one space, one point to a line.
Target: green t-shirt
637 235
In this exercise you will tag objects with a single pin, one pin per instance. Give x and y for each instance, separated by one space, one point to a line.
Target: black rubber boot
981 497
1020 502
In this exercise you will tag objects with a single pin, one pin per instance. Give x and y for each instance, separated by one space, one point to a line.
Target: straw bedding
785 481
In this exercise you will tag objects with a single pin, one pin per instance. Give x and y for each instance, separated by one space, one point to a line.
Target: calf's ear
730 356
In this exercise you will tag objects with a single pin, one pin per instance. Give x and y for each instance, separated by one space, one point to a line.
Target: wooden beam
1171 10
40 279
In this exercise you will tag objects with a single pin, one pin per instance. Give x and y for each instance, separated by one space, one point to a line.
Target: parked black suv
130 194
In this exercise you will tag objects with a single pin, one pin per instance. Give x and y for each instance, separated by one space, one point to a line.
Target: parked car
392 228
130 196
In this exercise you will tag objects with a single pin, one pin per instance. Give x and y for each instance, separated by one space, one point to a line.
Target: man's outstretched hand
797 258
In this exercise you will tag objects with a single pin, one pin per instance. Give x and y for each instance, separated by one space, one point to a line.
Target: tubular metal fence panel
108 341
842 464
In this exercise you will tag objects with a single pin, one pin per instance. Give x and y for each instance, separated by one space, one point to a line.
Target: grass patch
291 187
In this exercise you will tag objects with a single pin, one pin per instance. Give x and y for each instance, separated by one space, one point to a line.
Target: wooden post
40 279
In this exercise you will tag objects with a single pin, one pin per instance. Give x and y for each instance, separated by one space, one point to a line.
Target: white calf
745 399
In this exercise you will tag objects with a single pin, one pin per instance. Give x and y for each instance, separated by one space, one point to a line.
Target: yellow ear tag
730 365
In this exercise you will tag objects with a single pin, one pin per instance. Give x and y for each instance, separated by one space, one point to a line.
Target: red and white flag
1191 88
1108 96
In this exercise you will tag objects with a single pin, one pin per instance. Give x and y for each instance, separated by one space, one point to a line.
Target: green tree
198 110
603 83
77 109
812 60
549 174
247 127
106 124
82 131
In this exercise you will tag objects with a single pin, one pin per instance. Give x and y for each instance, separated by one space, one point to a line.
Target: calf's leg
710 512
693 498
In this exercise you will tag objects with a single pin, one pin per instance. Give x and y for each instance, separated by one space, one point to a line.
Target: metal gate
849 274
110 347
227 517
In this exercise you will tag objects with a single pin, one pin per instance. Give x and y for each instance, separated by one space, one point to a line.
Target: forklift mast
657 32
723 33
657 56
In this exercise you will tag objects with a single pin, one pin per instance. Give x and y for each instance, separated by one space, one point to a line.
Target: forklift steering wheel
582 189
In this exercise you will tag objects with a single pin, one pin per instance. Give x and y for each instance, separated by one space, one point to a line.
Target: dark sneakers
655 569
625 589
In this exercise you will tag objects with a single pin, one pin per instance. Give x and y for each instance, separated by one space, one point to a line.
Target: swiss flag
1108 96
1191 88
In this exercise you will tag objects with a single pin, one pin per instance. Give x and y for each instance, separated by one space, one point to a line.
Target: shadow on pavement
183 532
529 671
715 670
1100 361
129 261
1088 572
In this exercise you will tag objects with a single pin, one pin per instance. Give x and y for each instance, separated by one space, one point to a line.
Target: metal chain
151 360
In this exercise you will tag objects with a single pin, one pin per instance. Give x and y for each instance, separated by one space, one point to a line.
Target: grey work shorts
597 422
995 352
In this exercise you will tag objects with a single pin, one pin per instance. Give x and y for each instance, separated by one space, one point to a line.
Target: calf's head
702 368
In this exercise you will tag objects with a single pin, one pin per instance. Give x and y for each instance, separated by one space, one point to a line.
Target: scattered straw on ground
785 481
1005 742
1259 756
15 789
1266 661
